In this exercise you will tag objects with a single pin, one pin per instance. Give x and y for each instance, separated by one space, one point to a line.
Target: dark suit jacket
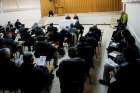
8 75
33 78
71 75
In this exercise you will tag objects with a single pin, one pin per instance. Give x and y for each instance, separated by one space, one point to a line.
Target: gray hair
5 51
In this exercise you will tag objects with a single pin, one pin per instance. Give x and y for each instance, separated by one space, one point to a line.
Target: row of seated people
85 51
9 30
27 35
124 63
85 47
52 39
51 43
81 60
29 77
81 53
58 38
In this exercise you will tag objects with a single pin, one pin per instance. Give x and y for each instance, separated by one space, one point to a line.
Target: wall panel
76 6
46 5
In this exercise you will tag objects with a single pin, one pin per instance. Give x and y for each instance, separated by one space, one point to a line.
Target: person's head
9 22
51 24
82 39
95 26
75 17
5 54
72 52
72 25
28 58
125 33
67 17
67 28
17 20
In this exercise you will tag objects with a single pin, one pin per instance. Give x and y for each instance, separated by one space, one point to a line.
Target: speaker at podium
59 9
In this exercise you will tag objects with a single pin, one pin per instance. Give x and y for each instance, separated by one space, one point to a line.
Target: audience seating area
29 56
26 55
123 62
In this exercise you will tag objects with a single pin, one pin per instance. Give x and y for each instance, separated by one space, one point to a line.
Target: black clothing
127 79
33 78
17 25
71 74
9 75
51 13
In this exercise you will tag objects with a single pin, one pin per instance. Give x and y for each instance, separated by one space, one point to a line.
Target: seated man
18 24
47 49
35 78
79 27
73 31
51 28
72 73
8 70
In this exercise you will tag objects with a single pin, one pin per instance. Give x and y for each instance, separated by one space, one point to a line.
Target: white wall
11 5
28 17
133 10
28 11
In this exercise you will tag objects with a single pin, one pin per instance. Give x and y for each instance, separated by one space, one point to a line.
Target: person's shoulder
39 69
12 63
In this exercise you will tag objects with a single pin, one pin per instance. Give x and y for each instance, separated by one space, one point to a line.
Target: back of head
95 27
68 17
76 17
86 52
28 58
82 39
130 40
51 24
17 20
5 54
72 52
72 69
126 33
